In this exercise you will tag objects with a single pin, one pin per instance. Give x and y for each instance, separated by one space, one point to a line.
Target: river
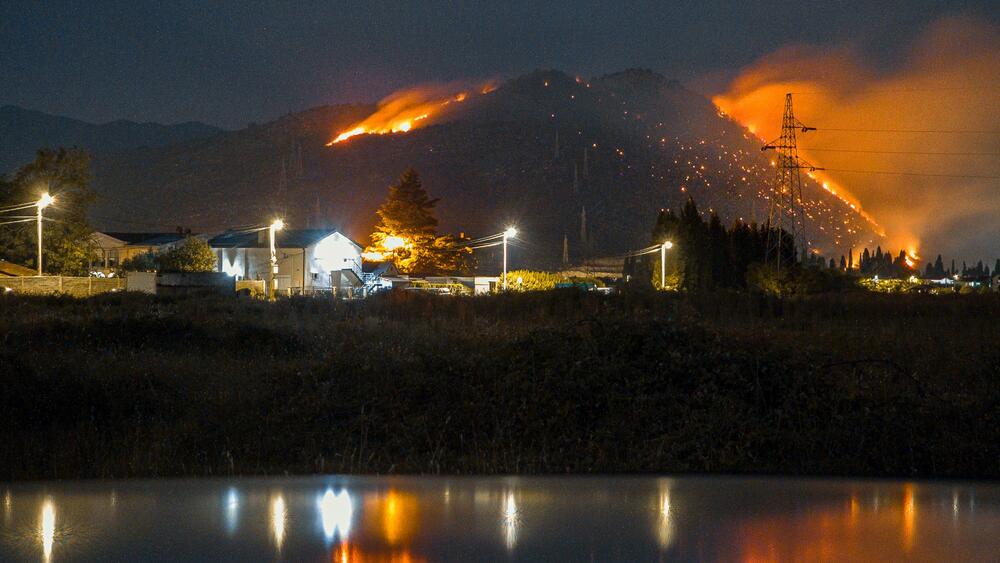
424 519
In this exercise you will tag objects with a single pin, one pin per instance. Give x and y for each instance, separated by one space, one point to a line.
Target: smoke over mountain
917 146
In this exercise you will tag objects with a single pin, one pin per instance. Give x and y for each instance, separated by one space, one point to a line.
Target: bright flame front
403 110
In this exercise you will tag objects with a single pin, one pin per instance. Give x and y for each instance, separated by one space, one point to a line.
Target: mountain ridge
23 131
589 162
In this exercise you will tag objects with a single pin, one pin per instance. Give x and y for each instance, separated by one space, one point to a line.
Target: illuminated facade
309 260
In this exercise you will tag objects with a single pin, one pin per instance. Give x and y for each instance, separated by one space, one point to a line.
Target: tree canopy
406 233
706 255
67 242
193 255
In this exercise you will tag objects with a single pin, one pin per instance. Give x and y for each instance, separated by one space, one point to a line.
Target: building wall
335 252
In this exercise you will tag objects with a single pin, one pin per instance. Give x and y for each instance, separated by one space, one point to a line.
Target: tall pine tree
407 235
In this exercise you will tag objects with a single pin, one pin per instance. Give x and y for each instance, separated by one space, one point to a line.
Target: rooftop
10 269
147 239
285 238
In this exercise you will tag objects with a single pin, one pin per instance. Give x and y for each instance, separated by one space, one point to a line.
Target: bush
145 262
193 255
796 280
529 280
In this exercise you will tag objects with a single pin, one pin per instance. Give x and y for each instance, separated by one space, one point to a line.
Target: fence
78 287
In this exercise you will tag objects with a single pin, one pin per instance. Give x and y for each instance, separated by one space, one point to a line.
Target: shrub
145 262
193 255
530 280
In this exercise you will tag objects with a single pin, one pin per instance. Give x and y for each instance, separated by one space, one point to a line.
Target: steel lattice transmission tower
786 216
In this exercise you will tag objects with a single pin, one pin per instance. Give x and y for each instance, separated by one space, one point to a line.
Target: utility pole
276 226
511 232
663 263
42 203
786 214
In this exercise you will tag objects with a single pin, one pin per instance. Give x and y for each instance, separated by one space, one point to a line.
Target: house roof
10 269
147 239
285 238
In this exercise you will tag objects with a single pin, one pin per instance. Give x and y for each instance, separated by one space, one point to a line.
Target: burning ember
406 109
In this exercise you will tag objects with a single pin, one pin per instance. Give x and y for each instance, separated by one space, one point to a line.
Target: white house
309 260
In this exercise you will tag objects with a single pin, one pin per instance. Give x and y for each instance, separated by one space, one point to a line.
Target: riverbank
129 385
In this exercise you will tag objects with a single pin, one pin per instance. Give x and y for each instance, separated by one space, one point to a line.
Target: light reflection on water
279 517
414 520
336 511
47 528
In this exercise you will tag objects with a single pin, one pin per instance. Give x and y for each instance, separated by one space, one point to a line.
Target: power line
17 221
942 131
17 207
907 90
931 175
925 153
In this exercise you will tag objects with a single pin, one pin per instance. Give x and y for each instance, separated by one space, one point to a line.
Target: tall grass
566 381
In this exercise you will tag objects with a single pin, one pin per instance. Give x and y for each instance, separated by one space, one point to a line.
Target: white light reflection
664 525
511 520
8 507
232 510
336 511
279 517
47 528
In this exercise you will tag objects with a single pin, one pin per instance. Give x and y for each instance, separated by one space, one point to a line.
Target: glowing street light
43 202
276 226
663 262
511 232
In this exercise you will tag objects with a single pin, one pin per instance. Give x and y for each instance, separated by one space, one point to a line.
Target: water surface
423 519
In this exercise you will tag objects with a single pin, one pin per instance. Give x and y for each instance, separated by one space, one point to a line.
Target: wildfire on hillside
915 142
759 112
406 109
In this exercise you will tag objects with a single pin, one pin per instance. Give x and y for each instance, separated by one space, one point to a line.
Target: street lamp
43 202
511 232
663 263
276 226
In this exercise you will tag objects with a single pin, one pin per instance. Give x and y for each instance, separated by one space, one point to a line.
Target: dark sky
232 63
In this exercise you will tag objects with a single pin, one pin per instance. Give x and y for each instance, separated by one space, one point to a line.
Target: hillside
540 150
23 131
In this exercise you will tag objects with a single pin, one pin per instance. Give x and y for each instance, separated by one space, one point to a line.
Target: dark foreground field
128 385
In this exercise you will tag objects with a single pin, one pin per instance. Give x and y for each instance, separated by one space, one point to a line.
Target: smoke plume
945 93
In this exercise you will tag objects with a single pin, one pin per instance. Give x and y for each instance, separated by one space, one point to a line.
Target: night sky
229 64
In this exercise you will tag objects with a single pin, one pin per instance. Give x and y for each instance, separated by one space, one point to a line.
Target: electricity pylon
786 217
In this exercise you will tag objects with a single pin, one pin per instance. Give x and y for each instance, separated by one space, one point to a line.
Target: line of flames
406 109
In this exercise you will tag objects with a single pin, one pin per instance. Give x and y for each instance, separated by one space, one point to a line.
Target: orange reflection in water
852 531
909 516
346 553
396 514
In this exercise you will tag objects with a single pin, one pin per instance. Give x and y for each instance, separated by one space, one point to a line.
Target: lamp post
663 263
511 232
276 226
41 204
